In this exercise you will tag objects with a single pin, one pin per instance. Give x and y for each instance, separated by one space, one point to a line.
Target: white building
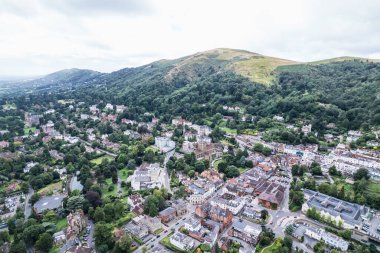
306 129
328 238
182 241
164 144
147 176
192 225
108 106
234 205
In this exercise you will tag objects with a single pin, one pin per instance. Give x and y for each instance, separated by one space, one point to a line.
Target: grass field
54 187
374 187
106 186
99 160
249 132
9 107
55 249
123 174
260 68
28 129
269 249
61 224
229 130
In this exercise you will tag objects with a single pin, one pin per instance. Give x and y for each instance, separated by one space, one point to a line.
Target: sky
42 36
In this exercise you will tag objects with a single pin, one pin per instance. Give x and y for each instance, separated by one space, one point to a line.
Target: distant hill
343 91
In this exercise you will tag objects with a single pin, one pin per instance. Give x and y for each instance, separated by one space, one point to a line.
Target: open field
123 174
9 107
61 224
54 187
374 187
105 188
29 129
229 130
99 160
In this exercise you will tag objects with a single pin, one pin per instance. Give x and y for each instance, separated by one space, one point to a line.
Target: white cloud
41 36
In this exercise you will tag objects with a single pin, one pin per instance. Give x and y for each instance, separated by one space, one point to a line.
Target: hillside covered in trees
197 87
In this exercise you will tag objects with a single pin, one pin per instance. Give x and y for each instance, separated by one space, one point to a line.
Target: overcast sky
42 36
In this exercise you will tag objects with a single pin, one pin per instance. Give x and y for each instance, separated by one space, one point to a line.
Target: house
164 144
84 116
32 119
180 207
59 237
152 223
147 176
246 232
214 213
28 166
208 151
201 189
120 108
306 129
251 214
230 202
140 231
182 241
192 224
320 234
270 194
108 106
167 214
4 144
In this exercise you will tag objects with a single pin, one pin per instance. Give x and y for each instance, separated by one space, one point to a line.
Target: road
99 149
28 207
166 176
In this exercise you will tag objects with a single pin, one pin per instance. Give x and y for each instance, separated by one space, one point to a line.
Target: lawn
106 186
99 160
249 132
55 249
216 163
242 170
61 224
29 129
158 231
374 187
269 249
51 188
9 107
123 174
229 130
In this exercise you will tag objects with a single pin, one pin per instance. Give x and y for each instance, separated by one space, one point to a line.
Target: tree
361 173
288 242
75 203
94 198
99 214
103 235
34 198
44 242
264 214
31 234
123 245
18 247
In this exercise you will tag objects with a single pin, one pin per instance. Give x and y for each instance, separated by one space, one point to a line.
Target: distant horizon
36 76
